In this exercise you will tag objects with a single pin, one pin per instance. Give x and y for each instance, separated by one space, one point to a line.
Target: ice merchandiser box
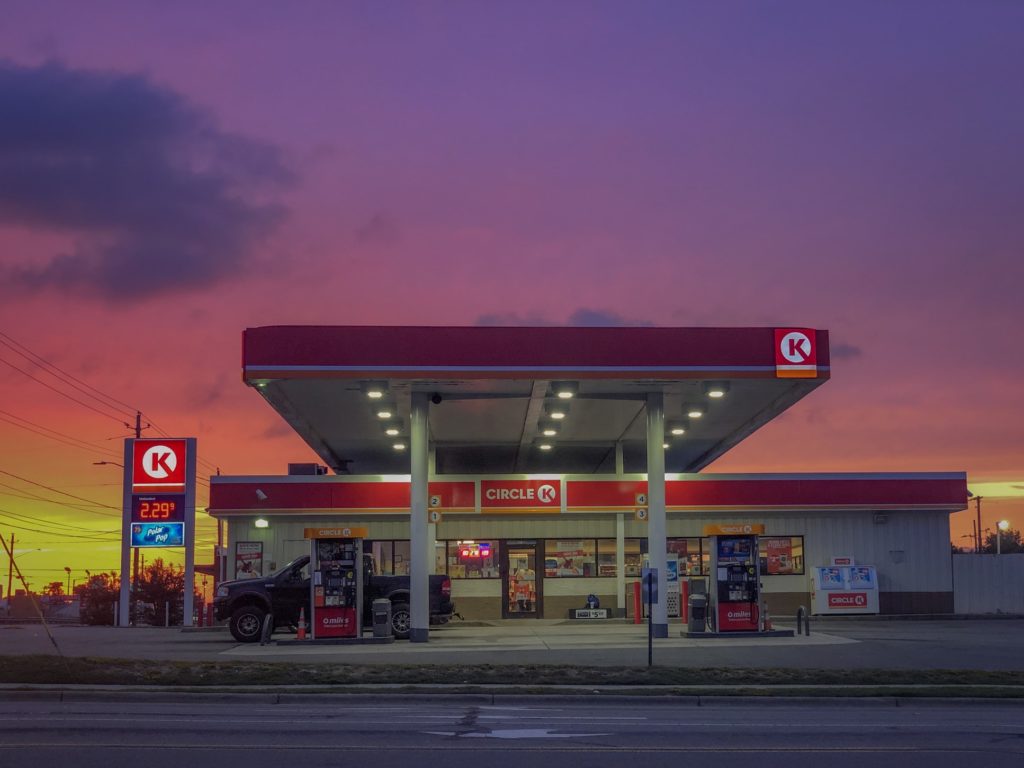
839 589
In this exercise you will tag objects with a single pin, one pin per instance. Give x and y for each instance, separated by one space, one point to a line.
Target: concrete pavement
833 644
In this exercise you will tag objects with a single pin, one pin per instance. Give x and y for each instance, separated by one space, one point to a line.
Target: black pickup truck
245 602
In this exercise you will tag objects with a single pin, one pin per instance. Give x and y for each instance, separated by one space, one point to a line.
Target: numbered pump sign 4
159 507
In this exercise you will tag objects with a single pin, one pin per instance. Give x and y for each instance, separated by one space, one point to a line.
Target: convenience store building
573 455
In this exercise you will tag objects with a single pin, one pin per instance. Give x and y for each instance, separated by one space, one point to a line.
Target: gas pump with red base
735 577
336 583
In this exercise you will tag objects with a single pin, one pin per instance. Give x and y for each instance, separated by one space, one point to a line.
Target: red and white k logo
796 354
158 466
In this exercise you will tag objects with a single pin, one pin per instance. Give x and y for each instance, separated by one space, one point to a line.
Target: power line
118 419
31 356
78 385
59 437
63 493
30 519
164 433
60 535
28 496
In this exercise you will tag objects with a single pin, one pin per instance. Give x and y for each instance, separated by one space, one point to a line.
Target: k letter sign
796 353
158 466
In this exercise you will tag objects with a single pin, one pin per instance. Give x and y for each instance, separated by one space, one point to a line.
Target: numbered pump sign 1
159 504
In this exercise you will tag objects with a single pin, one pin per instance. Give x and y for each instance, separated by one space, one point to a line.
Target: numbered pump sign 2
159 505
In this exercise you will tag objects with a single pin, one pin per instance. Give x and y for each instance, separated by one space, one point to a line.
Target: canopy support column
657 543
419 587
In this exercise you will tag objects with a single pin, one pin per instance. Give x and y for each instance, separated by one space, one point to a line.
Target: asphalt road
334 731
850 644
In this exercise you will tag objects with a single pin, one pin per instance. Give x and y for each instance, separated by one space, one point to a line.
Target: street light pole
1001 526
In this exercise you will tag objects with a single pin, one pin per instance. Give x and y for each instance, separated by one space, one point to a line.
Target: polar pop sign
158 466
796 353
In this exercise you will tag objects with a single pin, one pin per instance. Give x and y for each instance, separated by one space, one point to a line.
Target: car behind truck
245 603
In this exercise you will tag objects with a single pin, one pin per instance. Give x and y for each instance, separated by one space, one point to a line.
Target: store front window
689 554
606 558
570 557
634 551
473 559
781 555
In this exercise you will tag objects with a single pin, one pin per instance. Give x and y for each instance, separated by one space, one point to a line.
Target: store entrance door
521 581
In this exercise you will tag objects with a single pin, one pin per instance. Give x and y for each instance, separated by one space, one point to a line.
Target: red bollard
638 610
684 598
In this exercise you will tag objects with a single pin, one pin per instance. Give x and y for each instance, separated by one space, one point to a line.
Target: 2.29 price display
158 509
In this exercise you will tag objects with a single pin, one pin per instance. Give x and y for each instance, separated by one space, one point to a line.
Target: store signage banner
847 600
796 353
158 534
158 466
521 494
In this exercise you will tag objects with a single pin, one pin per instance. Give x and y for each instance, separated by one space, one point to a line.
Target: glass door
520 580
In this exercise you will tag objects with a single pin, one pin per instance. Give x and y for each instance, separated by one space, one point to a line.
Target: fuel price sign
158 509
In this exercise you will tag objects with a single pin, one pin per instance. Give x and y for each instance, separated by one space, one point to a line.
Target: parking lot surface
833 644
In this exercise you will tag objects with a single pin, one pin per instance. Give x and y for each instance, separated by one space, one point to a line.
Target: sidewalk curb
674 697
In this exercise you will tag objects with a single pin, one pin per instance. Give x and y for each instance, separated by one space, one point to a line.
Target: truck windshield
294 565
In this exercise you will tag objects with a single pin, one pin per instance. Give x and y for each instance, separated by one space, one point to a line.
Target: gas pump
735 578
336 583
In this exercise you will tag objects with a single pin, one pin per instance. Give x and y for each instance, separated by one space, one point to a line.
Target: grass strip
44 669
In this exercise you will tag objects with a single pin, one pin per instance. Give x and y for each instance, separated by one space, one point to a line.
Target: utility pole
10 568
977 540
135 553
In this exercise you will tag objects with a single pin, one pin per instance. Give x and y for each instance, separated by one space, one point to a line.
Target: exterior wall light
385 411
399 446
716 389
694 411
393 428
262 522
544 445
565 390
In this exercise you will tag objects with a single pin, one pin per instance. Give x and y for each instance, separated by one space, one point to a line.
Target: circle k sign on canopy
796 353
519 494
158 466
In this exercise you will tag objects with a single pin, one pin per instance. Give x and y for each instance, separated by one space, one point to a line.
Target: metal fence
988 583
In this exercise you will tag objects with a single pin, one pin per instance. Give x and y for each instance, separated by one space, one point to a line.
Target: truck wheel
246 623
401 621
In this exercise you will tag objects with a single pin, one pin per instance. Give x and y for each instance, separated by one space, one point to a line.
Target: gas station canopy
494 390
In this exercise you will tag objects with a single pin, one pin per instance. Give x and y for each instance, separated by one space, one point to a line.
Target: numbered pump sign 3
159 507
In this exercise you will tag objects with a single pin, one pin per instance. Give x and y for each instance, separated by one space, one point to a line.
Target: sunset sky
171 174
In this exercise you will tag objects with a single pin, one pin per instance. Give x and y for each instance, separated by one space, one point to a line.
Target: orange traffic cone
301 634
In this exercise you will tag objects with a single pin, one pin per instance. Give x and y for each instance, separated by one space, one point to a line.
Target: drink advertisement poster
248 559
831 578
780 554
862 577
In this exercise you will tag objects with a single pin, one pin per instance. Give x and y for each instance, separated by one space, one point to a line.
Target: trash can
381 617
698 605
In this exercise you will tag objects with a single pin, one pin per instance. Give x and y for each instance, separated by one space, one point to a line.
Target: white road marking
520 733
